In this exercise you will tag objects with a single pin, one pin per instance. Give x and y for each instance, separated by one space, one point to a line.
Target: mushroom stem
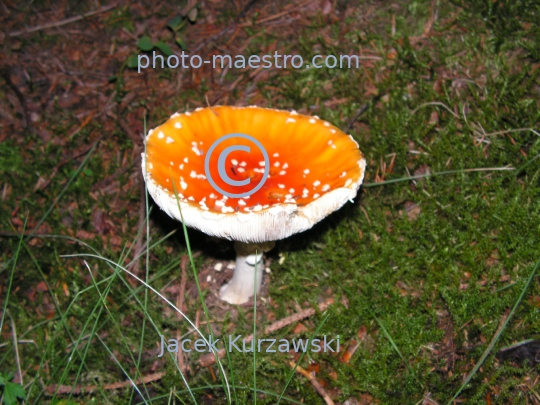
242 285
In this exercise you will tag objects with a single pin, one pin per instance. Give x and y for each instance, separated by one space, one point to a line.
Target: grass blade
497 335
291 375
205 309
11 275
255 330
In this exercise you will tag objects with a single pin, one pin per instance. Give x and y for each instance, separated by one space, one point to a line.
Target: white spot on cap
198 109
258 170
288 196
175 115
294 112
169 140
150 165
276 164
191 198
150 132
172 164
281 185
316 195
241 170
276 154
178 125
243 164
282 172
183 184
160 135
305 193
306 171
333 131
258 207
226 209
316 183
234 162
333 146
181 166
289 120
326 124
197 151
311 121
330 142
220 203
291 190
285 165
343 174
185 160
241 202
348 182
213 195
188 113
193 174
326 187
262 163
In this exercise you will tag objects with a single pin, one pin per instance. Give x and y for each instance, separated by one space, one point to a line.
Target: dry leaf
300 328
412 209
326 7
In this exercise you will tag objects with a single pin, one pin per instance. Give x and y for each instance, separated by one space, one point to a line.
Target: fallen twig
276 16
66 389
63 22
313 380
210 358
362 110
6 74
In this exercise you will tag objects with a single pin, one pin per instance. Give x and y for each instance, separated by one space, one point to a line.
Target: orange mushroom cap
314 169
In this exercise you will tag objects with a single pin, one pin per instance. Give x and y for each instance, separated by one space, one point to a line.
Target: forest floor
427 277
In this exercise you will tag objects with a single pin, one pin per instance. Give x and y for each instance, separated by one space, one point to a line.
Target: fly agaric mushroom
305 170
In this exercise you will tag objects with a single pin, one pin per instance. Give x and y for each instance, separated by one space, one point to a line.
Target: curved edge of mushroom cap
275 223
